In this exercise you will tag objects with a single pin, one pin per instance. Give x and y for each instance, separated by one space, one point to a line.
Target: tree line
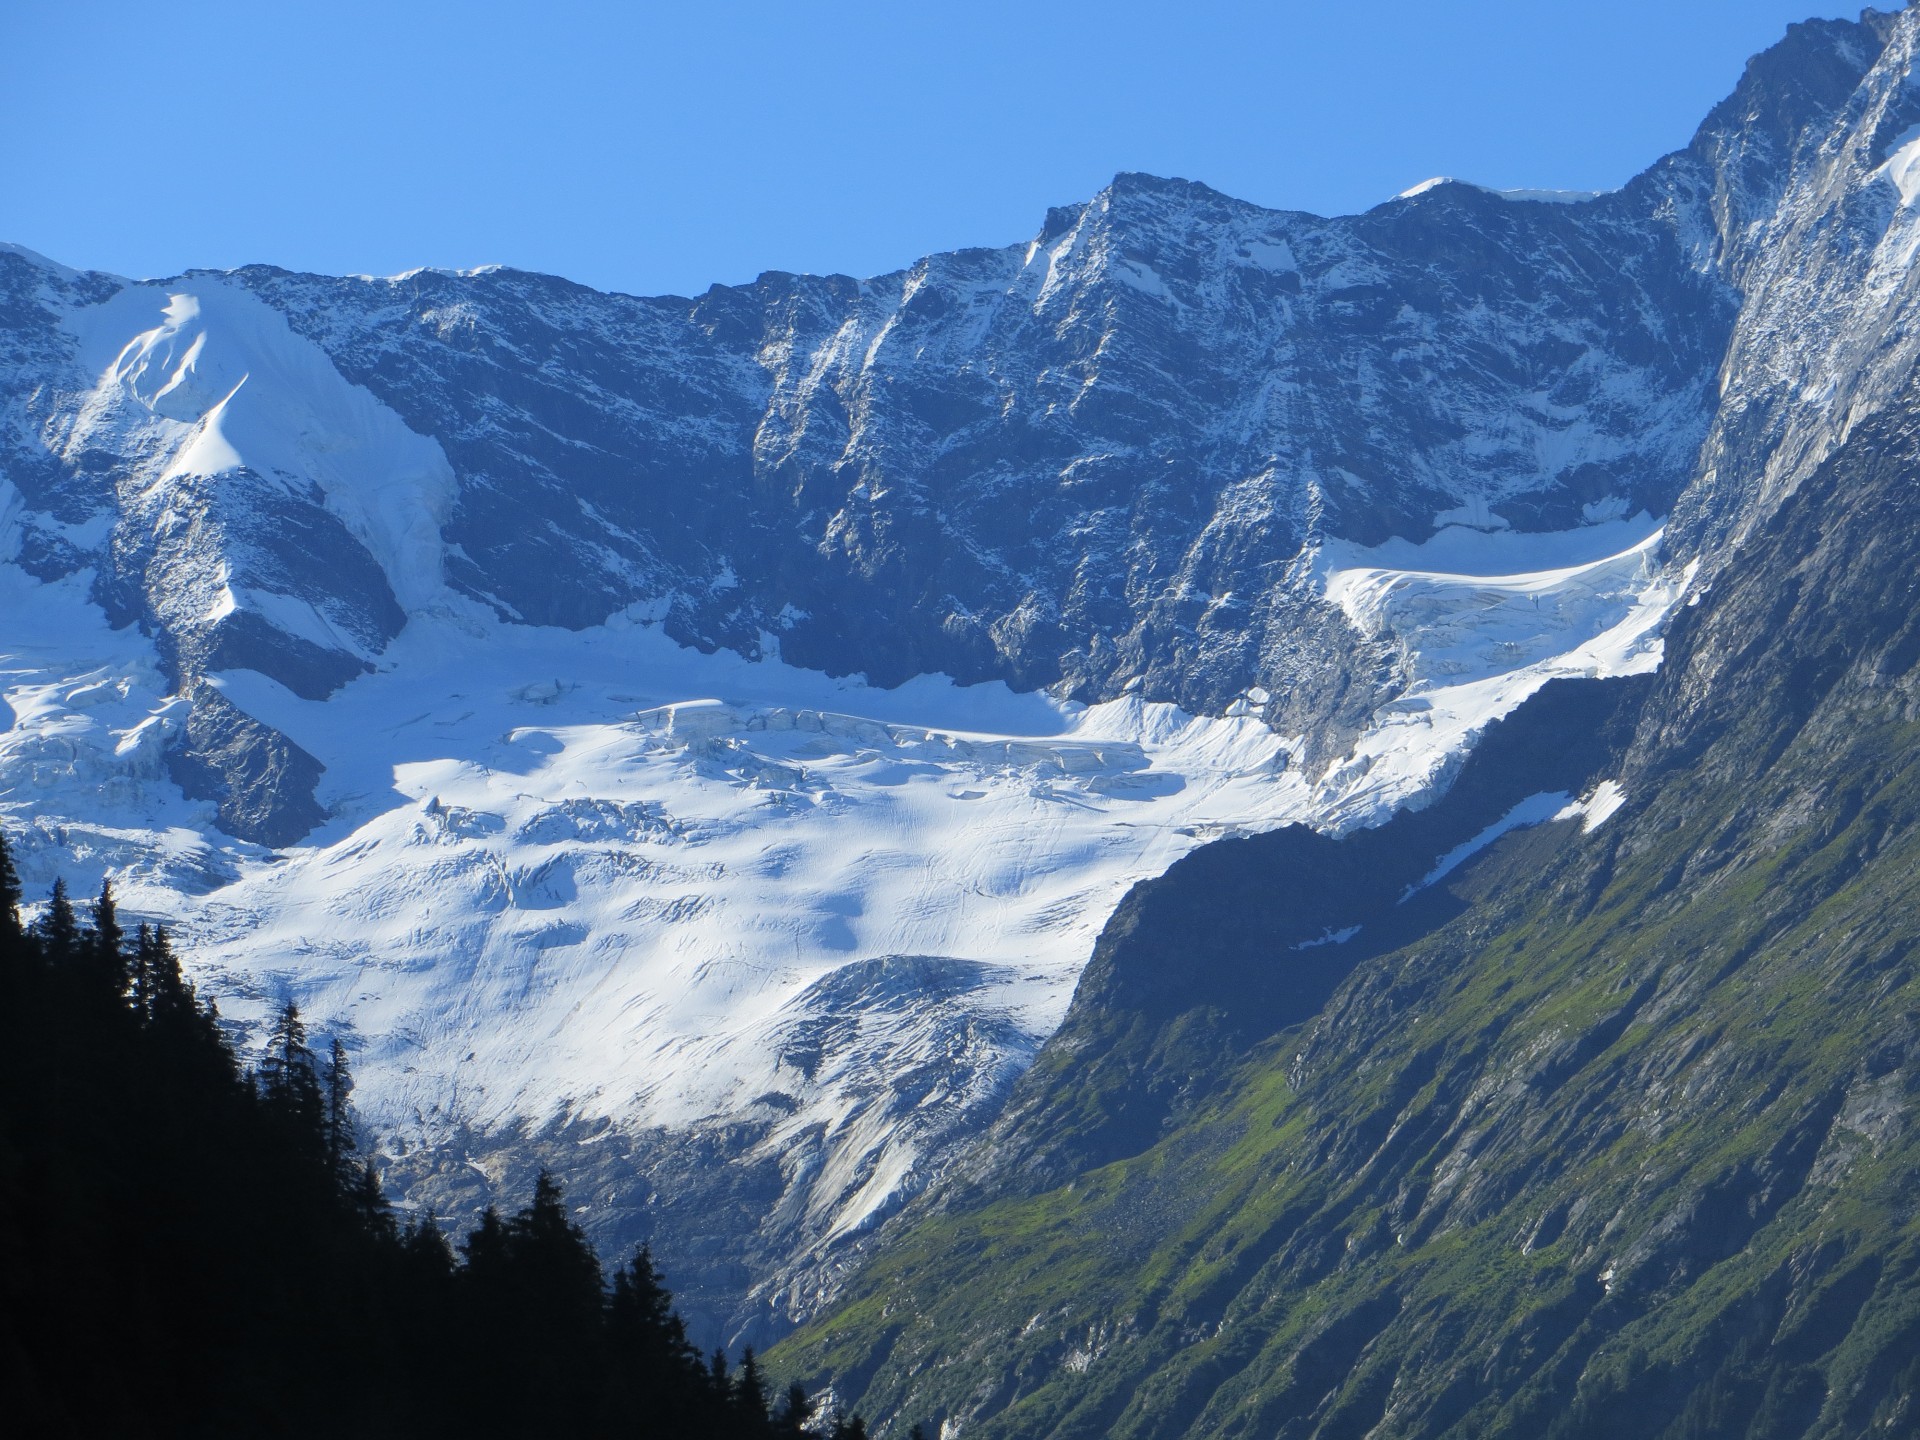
193 1246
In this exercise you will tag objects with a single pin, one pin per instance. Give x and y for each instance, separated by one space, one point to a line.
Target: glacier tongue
1482 621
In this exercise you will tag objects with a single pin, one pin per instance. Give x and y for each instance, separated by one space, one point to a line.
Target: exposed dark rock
261 781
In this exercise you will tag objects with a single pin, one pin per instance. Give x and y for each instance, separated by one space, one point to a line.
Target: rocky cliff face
1097 458
457 652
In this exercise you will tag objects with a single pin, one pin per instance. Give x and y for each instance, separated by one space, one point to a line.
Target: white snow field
593 875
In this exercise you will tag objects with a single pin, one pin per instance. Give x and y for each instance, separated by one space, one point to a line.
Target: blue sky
653 147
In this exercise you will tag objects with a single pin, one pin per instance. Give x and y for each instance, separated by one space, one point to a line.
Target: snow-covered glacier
598 886
695 742
592 892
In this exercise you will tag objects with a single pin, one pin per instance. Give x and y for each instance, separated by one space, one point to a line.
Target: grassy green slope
1620 1139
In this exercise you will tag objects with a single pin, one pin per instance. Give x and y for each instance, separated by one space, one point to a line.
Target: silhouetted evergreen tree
485 1248
342 1141
640 1308
58 929
104 945
9 894
750 1396
370 1205
651 1369
140 976
159 993
424 1245
15 959
290 1083
796 1410
538 1303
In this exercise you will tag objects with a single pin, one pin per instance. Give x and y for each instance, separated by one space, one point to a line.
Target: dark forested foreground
191 1248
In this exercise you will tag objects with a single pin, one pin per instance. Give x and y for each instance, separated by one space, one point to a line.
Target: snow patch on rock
1596 809
1534 810
201 377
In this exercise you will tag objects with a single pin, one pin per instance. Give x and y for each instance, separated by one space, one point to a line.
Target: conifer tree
795 1411
287 1055
140 981
290 1083
342 1143
424 1243
640 1307
9 893
653 1371
369 1200
750 1394
13 954
105 943
485 1248
59 929
165 997
560 1273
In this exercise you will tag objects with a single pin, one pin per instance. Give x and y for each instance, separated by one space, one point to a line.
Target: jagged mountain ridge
878 473
315 494
1187 387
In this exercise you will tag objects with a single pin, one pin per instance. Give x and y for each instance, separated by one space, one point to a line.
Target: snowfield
598 875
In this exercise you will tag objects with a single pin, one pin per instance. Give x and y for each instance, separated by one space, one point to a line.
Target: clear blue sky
654 147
